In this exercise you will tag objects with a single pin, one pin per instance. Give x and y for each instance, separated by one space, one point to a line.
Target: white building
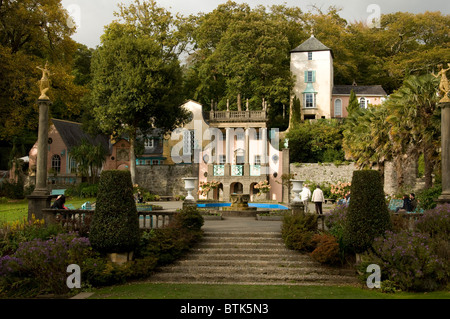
312 65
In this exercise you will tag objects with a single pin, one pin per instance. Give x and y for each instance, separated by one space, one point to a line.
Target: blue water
267 206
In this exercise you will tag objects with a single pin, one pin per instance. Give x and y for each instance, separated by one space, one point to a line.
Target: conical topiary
115 224
368 216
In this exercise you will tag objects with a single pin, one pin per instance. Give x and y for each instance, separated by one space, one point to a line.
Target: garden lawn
226 291
13 210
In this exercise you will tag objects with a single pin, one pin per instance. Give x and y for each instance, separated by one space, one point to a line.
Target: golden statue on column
444 86
44 83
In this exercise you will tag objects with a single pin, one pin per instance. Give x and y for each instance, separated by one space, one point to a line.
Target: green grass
227 291
13 210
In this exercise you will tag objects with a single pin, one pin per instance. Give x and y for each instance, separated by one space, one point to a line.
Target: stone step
242 235
261 240
260 262
262 271
312 279
240 245
249 258
242 251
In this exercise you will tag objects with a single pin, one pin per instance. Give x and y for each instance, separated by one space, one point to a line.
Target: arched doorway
237 188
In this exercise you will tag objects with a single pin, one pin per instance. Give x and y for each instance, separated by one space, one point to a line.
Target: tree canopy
31 33
137 75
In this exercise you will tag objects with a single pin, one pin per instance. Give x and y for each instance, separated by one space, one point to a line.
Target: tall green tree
237 50
32 32
136 76
353 104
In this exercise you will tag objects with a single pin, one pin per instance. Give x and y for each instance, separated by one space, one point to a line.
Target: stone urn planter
297 186
189 186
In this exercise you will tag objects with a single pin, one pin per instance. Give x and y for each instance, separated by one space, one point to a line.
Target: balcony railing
238 116
237 170
255 170
219 170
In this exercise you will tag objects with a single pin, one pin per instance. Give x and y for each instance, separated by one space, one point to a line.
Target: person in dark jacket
413 202
406 204
59 202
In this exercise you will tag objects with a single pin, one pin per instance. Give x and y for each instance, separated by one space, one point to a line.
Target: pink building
366 95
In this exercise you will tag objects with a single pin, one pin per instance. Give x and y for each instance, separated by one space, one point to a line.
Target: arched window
338 107
56 163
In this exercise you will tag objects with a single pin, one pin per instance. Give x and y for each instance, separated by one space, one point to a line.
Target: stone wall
323 173
330 173
166 180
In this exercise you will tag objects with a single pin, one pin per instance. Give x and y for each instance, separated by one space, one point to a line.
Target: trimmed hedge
298 231
115 224
368 215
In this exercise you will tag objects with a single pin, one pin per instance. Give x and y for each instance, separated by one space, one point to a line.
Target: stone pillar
445 153
286 169
297 208
228 160
265 146
247 153
228 146
40 198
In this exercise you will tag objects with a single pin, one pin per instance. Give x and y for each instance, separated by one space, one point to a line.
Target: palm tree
89 158
414 108
357 142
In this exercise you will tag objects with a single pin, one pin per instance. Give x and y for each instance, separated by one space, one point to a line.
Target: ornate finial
44 83
444 86
312 32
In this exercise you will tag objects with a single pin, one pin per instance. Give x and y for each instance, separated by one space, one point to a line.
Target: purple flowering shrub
39 266
410 261
335 221
435 222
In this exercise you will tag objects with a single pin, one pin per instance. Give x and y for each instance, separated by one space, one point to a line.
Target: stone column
40 198
286 169
445 153
247 153
264 151
228 161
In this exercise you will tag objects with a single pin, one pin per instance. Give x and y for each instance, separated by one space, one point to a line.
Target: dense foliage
34 257
298 231
368 215
115 224
318 141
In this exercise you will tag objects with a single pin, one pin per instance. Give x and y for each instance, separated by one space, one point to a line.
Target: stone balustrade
238 116
79 219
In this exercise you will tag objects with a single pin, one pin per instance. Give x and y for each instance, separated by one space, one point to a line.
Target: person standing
305 195
318 198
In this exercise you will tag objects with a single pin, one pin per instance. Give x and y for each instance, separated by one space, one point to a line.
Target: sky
91 16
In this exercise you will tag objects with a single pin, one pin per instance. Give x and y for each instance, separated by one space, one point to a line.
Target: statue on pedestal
44 83
444 86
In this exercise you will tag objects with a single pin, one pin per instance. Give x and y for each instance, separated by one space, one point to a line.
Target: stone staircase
249 258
